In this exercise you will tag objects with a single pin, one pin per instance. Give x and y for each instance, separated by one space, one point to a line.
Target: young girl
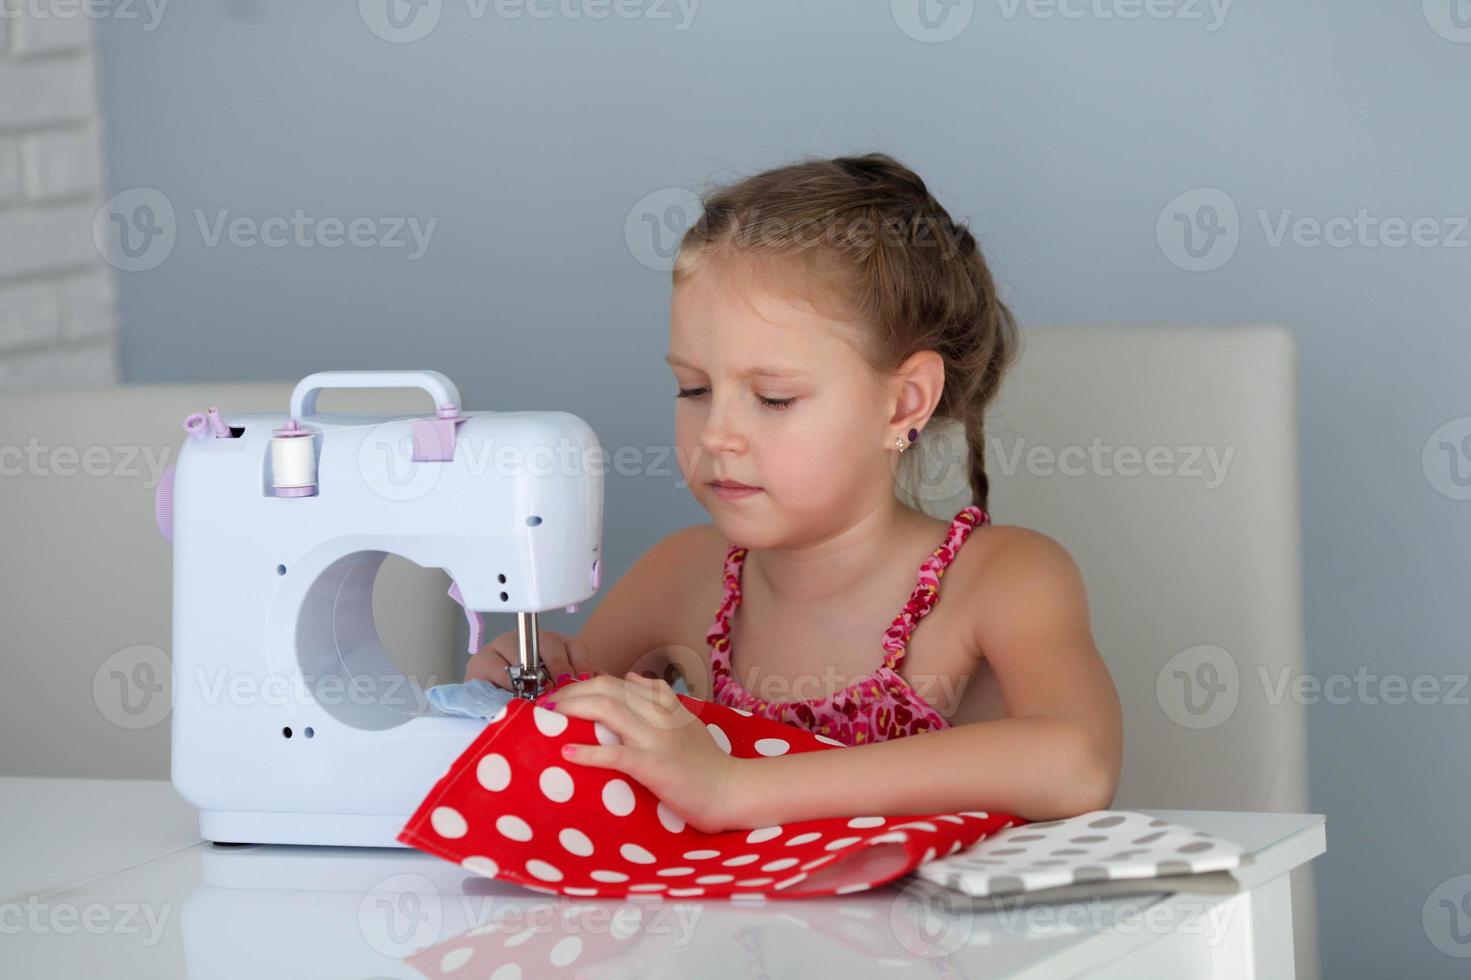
824 314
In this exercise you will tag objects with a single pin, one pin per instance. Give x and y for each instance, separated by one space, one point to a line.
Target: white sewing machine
291 724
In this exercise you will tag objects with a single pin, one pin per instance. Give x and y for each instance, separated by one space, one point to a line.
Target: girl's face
774 395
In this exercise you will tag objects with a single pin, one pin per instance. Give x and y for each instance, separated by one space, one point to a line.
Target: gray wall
1062 139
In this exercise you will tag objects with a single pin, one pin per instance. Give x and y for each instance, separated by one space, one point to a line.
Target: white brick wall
58 298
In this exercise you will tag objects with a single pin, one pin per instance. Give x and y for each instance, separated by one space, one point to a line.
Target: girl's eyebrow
758 371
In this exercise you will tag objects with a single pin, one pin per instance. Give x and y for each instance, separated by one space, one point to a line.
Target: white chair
1192 562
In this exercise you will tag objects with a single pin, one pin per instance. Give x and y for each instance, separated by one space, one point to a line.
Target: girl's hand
561 654
663 745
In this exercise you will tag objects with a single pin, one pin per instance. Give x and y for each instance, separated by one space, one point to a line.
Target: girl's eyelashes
775 403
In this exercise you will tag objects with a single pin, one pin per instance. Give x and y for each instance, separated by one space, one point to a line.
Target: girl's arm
1056 754
634 626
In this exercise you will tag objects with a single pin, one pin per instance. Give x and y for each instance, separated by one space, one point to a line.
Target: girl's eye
776 403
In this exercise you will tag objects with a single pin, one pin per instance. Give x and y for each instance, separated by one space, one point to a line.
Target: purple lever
477 628
434 439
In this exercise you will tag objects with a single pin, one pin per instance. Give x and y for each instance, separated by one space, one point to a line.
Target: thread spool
293 461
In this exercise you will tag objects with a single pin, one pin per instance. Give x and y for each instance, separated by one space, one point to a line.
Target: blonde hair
868 229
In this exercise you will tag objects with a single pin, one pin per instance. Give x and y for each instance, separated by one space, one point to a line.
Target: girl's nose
718 435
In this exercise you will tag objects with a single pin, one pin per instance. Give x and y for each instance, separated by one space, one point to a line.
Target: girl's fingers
614 714
489 665
595 756
656 704
580 657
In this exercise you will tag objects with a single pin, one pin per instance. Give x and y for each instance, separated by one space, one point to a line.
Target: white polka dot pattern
1101 845
512 807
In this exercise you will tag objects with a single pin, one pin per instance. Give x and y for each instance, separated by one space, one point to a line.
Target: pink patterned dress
873 708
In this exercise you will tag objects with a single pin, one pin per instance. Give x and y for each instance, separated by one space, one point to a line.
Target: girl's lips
733 491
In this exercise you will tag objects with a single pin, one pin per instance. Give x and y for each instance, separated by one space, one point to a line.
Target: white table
111 878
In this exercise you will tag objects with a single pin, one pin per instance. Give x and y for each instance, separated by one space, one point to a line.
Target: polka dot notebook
1105 845
511 808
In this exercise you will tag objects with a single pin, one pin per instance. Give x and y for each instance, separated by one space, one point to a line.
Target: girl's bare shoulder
1007 566
659 601
688 579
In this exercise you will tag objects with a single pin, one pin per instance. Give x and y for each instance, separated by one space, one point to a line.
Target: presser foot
529 684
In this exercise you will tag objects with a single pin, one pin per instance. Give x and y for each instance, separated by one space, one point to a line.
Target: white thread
293 461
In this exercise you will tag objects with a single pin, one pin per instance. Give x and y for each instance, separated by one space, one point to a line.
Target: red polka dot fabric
512 808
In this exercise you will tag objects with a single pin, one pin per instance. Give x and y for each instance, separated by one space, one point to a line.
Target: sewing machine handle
304 395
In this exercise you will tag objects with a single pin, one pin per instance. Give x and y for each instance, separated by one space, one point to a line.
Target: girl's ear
918 385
